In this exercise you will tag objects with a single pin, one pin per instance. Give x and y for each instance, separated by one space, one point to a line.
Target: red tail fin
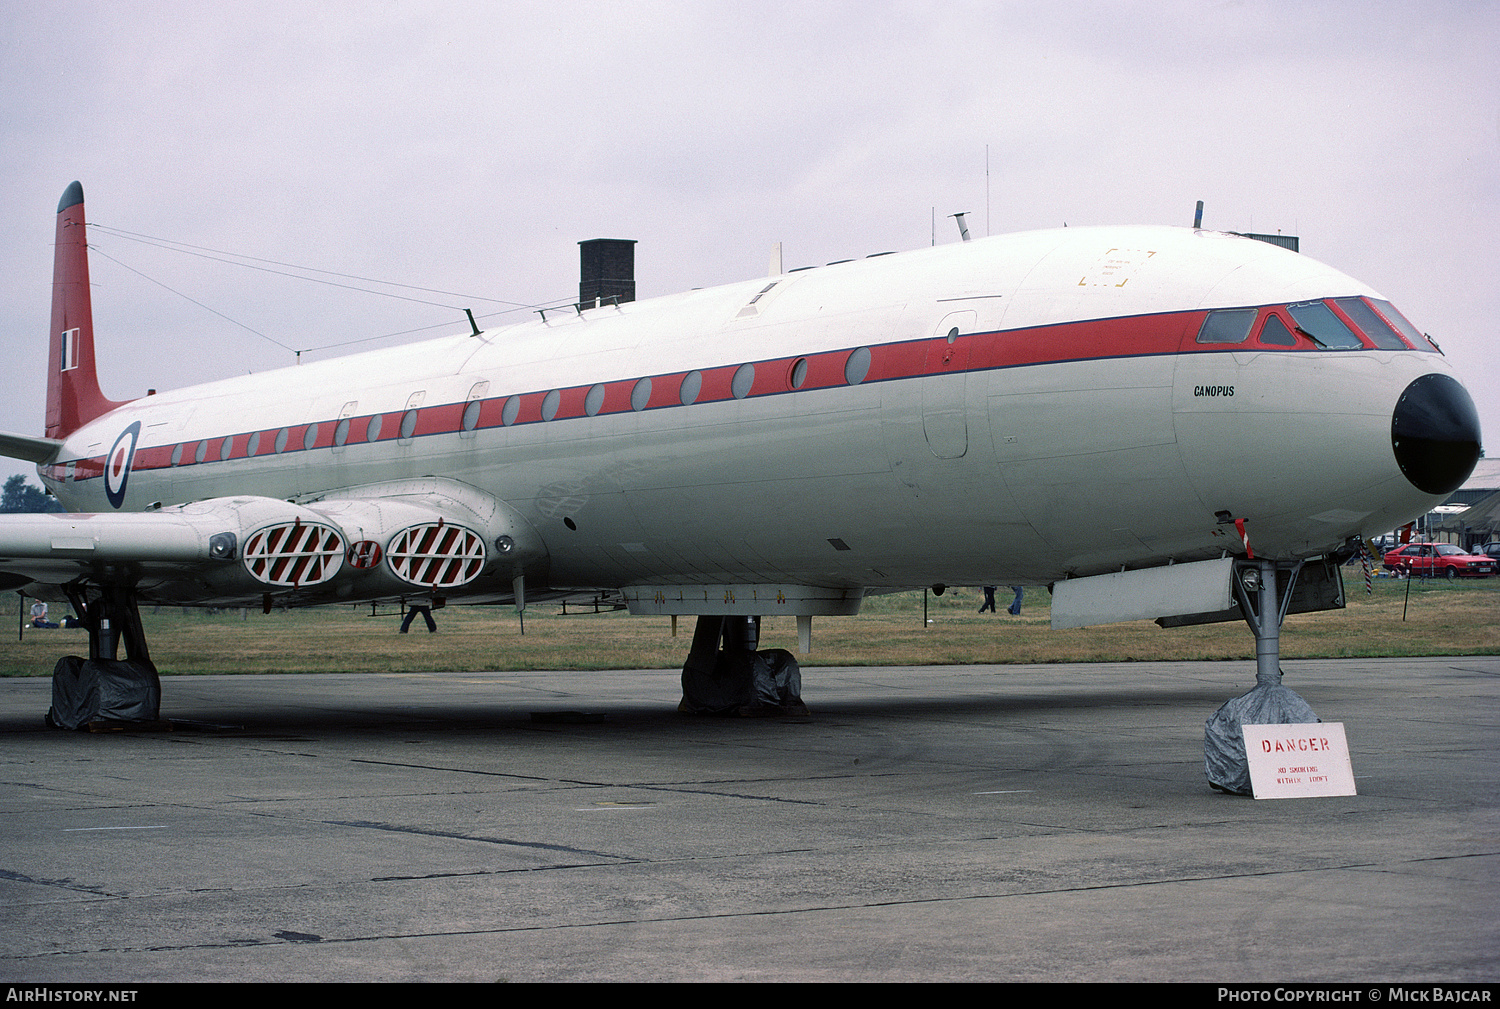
73 396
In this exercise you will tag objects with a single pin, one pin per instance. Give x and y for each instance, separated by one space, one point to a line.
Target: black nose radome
1435 434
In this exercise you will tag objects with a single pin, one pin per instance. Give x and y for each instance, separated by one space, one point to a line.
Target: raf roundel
117 465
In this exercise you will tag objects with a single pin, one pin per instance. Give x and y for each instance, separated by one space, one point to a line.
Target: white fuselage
1071 426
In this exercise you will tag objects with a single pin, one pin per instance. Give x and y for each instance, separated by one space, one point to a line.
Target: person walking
989 599
411 613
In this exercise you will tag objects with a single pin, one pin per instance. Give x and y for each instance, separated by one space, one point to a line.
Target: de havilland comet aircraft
1155 422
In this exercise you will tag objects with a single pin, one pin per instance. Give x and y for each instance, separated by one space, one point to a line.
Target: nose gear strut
1268 702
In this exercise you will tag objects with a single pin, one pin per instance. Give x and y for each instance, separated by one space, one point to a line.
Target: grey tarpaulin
743 683
1266 703
116 690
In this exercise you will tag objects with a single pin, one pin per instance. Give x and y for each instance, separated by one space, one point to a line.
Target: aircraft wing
379 542
192 544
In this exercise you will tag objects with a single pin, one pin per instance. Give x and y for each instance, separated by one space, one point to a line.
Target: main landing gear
726 675
1268 702
104 687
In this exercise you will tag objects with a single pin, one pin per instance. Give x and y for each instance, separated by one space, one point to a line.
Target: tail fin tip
71 197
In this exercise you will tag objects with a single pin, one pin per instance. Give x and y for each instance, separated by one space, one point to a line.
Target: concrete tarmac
935 823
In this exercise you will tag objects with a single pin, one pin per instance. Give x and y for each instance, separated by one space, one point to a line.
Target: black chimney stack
606 271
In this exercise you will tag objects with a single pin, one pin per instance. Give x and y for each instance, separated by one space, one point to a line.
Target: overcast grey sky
469 147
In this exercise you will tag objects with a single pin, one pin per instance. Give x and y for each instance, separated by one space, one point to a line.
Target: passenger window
744 379
1230 325
640 396
1326 329
857 366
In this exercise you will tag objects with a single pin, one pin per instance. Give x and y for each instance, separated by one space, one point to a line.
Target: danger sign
1298 760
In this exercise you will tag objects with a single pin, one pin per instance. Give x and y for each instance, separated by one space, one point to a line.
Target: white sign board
1298 760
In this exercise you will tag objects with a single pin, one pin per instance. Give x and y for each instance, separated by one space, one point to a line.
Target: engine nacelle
384 541
433 535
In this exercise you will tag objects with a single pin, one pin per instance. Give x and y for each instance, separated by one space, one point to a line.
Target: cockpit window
1326 329
1275 333
1227 326
1367 319
1403 326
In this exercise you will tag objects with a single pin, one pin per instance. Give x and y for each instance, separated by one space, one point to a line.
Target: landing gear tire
725 674
104 687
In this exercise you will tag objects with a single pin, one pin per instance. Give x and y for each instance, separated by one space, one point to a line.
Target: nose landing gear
1268 702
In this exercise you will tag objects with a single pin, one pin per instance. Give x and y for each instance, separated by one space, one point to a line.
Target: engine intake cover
436 555
294 554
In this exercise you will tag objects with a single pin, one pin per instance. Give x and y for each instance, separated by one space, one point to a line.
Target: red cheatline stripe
1095 339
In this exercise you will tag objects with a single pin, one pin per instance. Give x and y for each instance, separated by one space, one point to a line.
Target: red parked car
1435 559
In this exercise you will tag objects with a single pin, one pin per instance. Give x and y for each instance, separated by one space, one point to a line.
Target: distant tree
20 496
